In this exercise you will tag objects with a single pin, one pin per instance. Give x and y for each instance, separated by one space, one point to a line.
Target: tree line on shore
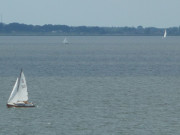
49 29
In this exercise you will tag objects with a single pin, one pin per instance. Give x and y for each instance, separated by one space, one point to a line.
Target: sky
108 13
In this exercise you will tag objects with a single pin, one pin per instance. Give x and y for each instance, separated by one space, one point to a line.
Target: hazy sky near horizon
155 13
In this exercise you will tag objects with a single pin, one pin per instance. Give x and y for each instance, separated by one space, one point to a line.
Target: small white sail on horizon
65 41
165 34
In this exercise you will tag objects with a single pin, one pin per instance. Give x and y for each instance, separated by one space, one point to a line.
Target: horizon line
93 25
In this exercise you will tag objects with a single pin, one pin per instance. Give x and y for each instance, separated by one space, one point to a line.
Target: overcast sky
156 13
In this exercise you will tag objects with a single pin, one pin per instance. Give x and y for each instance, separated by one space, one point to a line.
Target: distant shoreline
17 29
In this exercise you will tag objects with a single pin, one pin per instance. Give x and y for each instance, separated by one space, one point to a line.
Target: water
93 86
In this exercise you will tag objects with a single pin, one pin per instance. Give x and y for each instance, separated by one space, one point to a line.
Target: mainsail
65 41
22 88
165 34
19 92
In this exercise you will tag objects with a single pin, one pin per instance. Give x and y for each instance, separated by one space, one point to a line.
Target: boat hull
20 105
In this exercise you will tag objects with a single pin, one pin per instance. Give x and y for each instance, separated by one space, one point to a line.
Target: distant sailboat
65 41
19 94
165 34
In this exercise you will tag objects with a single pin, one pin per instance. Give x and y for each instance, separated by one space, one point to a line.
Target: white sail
165 34
22 88
19 92
13 97
65 41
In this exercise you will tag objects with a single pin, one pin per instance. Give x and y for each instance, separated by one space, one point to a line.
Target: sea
95 85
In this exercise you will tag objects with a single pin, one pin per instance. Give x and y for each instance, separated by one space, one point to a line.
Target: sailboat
19 94
65 41
165 34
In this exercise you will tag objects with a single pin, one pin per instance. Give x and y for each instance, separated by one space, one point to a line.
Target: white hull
21 105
